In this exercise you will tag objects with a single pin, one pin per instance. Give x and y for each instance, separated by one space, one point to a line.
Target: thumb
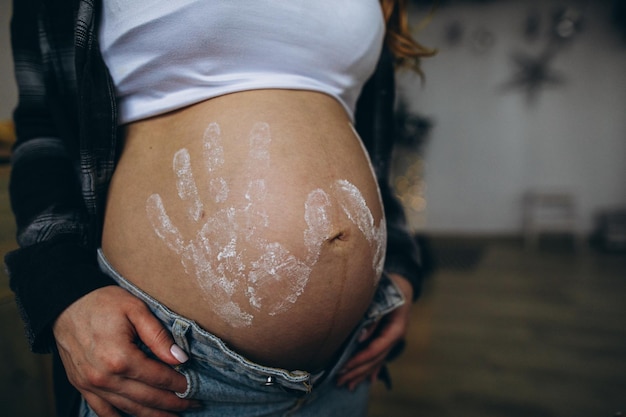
160 342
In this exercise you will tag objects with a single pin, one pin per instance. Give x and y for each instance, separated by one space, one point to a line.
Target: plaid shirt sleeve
56 263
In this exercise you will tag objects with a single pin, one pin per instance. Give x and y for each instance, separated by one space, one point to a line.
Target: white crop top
168 54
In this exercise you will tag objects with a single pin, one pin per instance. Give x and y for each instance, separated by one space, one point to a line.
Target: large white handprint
215 255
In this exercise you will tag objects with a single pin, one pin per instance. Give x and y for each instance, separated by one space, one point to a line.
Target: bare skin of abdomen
255 214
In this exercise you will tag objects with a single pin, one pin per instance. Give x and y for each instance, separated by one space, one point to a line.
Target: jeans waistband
199 342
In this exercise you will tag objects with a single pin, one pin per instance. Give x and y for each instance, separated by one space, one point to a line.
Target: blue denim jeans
230 385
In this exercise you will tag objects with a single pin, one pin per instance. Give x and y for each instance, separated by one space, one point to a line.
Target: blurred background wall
523 95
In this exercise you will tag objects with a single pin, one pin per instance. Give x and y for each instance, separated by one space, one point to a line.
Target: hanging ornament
533 74
412 129
532 26
454 33
482 40
566 23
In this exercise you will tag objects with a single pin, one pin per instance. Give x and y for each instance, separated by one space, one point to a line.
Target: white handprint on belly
218 255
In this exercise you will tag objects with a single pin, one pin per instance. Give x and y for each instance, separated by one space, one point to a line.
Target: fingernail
179 354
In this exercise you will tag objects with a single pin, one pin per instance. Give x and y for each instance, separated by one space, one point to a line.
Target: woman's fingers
353 376
96 339
110 405
368 362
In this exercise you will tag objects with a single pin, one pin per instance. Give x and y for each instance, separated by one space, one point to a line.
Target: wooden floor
528 334
500 332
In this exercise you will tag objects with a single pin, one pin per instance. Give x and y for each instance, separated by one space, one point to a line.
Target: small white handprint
215 255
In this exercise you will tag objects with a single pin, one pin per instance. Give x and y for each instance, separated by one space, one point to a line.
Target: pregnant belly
255 214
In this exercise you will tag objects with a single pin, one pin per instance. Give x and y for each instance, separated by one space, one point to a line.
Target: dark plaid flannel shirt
66 151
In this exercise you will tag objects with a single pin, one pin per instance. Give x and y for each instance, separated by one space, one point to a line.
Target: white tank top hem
164 55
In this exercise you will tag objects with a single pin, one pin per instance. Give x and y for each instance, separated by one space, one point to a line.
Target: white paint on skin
318 223
381 231
277 266
355 207
213 150
260 139
219 189
216 256
162 225
219 238
255 216
239 318
186 185
256 191
195 260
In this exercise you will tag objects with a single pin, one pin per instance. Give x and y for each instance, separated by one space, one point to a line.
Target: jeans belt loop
179 333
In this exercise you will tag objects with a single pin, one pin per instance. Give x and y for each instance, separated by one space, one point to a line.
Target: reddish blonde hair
398 38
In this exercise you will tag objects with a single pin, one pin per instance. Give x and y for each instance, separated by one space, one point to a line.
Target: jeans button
270 381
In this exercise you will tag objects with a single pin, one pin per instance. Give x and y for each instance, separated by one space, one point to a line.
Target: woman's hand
97 341
367 363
